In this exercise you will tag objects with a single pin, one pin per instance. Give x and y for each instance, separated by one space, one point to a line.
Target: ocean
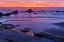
39 22
42 21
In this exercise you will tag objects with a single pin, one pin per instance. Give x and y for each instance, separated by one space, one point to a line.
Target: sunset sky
31 3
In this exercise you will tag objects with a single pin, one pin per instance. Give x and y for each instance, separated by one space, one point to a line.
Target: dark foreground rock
39 34
61 24
26 30
52 37
7 26
0 22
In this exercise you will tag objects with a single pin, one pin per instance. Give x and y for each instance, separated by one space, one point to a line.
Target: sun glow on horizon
29 4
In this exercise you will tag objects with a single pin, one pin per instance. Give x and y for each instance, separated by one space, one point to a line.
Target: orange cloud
27 4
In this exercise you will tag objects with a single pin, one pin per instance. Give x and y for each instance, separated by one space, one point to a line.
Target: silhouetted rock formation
15 12
0 22
1 14
26 30
58 11
7 26
52 37
38 35
29 11
41 34
7 14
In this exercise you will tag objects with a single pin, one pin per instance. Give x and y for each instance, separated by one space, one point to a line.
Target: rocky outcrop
7 14
7 26
14 12
29 11
1 14
26 30
50 36
58 11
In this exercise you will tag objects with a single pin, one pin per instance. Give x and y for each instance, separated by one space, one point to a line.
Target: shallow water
37 22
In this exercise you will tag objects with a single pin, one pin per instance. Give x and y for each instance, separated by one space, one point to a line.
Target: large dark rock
0 22
15 12
1 14
58 11
29 11
7 26
7 14
26 30
40 34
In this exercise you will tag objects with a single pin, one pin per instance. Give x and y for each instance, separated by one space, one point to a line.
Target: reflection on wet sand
29 32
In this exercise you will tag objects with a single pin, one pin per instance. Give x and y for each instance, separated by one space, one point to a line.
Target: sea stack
1 14
7 14
29 11
15 12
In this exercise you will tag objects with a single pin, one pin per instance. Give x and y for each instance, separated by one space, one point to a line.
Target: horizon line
26 7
